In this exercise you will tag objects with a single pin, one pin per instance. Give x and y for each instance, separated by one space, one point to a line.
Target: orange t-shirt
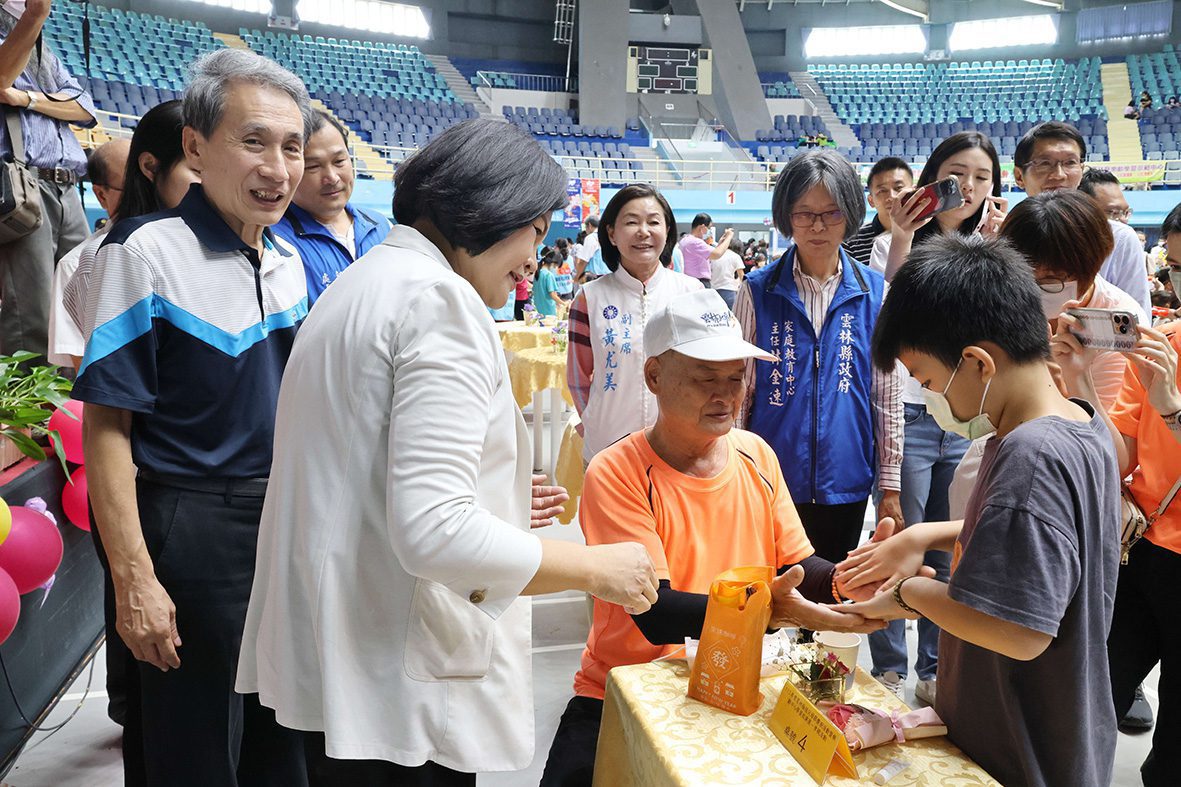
693 528
1159 452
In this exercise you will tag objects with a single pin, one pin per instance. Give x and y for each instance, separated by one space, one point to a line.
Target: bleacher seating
781 142
1024 90
128 47
1159 73
373 68
136 60
1160 134
585 148
917 140
777 84
395 122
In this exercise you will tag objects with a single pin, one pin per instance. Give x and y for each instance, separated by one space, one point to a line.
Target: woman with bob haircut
605 357
1066 237
386 618
822 406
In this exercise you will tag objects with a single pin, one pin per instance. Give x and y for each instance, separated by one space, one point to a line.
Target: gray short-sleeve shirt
1039 548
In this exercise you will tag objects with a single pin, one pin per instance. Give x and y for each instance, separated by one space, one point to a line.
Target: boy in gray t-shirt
1023 679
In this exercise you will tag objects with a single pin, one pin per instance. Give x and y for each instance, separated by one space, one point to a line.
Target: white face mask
940 410
1175 278
1053 303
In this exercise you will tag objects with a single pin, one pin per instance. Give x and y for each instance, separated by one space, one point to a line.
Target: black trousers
194 729
519 309
571 761
833 530
1144 631
324 771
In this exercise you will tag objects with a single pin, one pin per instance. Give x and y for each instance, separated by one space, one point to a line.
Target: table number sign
814 741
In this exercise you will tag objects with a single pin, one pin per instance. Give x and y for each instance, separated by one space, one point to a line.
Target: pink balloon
10 606
70 430
33 550
74 501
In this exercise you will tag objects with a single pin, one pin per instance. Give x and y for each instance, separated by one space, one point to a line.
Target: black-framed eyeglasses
804 218
1052 284
1045 166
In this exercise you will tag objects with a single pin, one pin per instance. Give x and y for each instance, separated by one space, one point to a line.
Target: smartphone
1106 329
943 195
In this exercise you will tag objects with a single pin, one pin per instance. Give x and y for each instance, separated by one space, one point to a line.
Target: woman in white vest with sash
605 361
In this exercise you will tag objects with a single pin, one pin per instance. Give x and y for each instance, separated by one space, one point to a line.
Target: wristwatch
32 100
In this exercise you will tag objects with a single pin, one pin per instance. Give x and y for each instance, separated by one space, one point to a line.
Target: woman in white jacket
386 618
605 357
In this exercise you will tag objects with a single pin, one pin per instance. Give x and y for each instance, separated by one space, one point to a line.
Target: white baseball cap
699 325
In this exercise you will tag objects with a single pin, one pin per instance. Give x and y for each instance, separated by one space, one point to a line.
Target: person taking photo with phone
931 455
1065 237
1145 425
970 158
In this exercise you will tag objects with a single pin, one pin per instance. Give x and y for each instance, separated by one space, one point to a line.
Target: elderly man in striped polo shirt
190 320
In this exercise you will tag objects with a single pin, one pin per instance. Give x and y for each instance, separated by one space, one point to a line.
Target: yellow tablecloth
654 735
569 469
536 370
517 336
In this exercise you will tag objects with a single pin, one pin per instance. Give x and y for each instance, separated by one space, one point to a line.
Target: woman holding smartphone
930 455
1066 238
970 158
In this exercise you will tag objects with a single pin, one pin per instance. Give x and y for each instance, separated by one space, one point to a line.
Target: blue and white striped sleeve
119 368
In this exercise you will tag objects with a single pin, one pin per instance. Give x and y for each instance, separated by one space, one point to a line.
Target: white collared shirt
395 538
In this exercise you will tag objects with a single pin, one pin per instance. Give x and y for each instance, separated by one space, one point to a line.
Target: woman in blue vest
834 421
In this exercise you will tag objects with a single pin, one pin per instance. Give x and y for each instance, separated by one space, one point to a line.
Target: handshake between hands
867 577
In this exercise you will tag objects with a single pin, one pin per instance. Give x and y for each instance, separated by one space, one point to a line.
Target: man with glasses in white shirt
1050 156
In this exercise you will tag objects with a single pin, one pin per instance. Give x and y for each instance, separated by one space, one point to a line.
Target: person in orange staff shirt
703 497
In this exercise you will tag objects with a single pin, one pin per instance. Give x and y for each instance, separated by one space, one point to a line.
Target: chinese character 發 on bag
726 670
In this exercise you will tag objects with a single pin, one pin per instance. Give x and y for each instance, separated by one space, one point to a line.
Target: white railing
546 83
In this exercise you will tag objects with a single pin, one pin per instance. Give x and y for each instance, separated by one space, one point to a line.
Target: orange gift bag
726 670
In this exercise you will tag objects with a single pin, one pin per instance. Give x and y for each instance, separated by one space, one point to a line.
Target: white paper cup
843 645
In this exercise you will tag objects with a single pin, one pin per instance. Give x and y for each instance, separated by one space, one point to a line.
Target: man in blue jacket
328 232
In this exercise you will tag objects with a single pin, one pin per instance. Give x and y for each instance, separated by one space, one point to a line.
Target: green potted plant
28 396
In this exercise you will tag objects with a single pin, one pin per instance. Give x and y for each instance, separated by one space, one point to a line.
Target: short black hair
320 118
1061 231
701 219
955 291
888 164
1051 129
479 182
1172 222
818 168
611 215
1093 177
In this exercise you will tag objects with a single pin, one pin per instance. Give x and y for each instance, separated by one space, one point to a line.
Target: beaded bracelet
836 594
898 598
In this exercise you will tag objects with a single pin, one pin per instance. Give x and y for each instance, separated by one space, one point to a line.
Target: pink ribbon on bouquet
865 728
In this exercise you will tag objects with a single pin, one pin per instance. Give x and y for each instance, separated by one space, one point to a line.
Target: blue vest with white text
814 405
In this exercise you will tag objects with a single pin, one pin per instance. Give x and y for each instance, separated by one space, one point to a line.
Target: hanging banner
590 197
573 214
1136 172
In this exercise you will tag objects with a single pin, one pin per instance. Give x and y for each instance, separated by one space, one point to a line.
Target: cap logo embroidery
715 319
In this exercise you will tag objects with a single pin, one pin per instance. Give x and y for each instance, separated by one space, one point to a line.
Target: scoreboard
669 69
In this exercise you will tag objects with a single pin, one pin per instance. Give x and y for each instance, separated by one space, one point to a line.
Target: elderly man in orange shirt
703 497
